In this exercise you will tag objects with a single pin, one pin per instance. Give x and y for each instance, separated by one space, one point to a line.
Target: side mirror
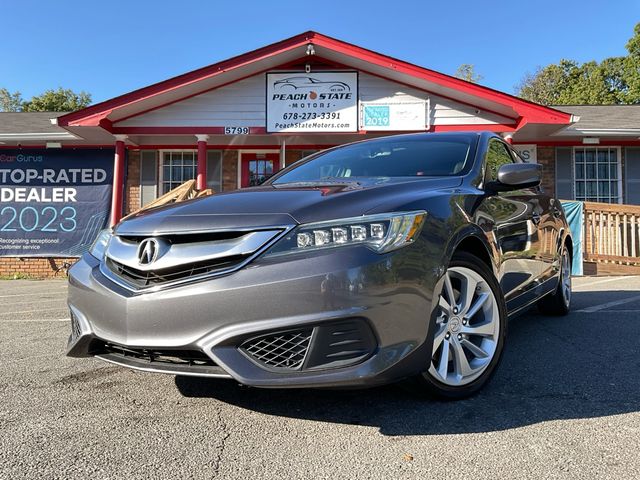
514 176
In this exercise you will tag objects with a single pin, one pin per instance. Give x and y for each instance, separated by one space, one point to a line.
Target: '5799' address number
236 130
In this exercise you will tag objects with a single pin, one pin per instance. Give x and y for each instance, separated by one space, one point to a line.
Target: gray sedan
399 258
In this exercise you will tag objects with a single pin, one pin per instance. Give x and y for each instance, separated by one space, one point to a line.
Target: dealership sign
53 202
410 116
528 153
314 102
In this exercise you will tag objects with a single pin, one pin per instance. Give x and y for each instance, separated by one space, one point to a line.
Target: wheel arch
473 241
568 241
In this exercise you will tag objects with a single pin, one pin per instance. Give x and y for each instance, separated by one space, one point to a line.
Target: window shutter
148 176
632 175
564 173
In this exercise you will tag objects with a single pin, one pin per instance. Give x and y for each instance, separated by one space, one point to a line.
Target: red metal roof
169 91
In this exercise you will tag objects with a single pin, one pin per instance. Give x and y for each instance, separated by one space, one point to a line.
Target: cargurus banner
53 202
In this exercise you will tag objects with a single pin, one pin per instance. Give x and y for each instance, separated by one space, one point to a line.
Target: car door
515 216
548 226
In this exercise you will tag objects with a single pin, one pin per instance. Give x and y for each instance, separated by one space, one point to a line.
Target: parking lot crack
223 442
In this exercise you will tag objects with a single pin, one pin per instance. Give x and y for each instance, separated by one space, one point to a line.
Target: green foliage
466 71
614 80
60 100
10 102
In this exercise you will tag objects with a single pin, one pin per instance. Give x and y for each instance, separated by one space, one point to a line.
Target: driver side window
497 155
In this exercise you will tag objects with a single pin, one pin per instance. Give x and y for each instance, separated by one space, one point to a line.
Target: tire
558 302
478 335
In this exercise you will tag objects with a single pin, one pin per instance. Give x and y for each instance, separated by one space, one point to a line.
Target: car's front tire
469 331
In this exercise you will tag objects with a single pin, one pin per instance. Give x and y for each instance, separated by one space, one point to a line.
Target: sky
111 47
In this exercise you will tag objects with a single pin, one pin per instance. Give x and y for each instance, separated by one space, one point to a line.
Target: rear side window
497 155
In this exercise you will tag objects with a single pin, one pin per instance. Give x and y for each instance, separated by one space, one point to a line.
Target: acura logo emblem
148 251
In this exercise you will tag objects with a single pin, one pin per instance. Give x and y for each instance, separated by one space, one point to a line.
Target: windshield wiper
332 181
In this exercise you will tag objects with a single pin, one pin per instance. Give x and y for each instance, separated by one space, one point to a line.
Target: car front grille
76 331
182 257
141 278
190 358
286 350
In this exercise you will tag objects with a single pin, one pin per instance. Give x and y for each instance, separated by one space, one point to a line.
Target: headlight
100 244
381 233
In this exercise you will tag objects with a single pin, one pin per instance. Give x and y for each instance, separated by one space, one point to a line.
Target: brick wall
291 156
229 170
547 158
132 189
34 267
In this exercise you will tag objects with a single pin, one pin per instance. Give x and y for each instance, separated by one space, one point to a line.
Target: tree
10 102
60 100
615 80
466 71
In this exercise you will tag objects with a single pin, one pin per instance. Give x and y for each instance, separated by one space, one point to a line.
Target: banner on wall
53 202
406 116
314 102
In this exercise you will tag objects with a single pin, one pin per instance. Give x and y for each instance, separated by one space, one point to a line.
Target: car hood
281 205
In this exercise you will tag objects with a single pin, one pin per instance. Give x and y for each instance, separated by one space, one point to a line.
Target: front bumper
387 299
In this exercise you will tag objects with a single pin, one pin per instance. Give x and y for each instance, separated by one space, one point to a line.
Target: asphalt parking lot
564 404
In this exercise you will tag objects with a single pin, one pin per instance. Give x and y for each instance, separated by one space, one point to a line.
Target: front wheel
470 328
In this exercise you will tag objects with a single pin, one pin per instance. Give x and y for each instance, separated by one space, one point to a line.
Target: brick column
201 178
118 181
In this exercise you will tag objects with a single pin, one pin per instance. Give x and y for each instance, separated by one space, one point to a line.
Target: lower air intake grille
285 350
76 331
190 358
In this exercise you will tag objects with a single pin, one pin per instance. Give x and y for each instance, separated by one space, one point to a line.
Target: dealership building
234 123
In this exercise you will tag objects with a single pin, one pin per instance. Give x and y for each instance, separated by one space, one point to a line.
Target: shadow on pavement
579 366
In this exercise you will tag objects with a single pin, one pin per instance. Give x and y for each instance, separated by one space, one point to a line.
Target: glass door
258 167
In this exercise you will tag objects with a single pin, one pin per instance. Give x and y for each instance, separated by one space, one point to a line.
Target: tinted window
497 155
437 155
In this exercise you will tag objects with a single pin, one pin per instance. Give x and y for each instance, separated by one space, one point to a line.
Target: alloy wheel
566 278
467 328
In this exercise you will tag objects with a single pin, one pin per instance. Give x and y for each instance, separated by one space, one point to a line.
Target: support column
201 178
283 154
118 181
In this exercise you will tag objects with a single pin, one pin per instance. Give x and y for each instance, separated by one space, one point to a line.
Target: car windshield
424 155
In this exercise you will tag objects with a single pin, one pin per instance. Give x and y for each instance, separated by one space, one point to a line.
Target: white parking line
32 311
598 282
38 302
37 320
48 292
597 308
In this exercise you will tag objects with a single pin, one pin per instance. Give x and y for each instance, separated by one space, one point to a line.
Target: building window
177 168
597 174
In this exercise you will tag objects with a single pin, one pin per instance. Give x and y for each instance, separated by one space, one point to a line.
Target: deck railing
611 233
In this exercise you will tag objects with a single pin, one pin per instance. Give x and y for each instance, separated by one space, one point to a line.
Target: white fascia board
38 136
598 132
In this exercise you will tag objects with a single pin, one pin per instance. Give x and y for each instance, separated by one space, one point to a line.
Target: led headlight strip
382 233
